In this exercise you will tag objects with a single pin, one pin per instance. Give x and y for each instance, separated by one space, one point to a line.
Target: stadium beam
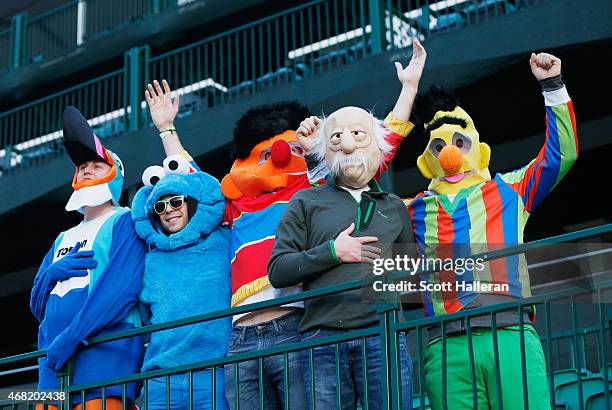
19 39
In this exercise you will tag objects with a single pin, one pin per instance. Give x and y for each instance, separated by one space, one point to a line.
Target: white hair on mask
342 160
380 135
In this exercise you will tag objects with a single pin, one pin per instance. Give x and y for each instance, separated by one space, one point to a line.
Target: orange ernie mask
272 164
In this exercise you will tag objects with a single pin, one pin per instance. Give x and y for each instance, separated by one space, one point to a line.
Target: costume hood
199 186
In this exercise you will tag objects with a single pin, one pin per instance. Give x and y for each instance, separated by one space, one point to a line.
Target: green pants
459 375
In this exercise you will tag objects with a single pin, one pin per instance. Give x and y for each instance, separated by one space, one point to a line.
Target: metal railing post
390 352
135 65
156 6
65 380
81 22
8 154
19 39
377 22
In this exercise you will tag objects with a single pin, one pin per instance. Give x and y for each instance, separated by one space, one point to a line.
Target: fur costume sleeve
111 299
535 180
42 287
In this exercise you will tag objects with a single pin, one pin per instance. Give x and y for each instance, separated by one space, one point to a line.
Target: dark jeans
201 387
265 335
351 372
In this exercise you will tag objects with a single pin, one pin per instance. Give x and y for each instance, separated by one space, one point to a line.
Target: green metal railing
388 330
31 134
5 49
52 34
290 46
64 28
563 349
278 49
104 16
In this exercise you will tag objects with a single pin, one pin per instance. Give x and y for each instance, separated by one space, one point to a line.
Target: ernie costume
269 168
89 281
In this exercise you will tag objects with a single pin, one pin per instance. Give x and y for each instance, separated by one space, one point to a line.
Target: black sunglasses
175 203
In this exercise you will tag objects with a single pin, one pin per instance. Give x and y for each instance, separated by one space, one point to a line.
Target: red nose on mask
280 153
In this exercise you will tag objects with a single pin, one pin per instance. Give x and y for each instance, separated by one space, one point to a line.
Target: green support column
377 21
155 6
8 154
159 6
423 21
391 365
135 75
19 39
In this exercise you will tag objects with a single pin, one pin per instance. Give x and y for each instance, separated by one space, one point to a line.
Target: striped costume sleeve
396 129
191 161
535 180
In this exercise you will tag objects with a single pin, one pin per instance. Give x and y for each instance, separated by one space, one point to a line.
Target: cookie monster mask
177 177
454 157
83 145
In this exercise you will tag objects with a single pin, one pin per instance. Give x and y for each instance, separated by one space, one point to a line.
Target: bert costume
467 208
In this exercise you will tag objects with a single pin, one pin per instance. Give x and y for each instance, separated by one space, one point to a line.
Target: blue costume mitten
60 351
74 264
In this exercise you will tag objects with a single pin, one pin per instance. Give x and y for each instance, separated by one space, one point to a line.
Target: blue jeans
351 372
283 330
179 392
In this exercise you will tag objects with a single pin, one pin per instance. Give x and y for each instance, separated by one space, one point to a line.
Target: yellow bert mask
454 157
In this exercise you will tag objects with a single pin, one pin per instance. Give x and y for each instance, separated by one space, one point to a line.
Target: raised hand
163 110
544 65
354 249
308 132
74 264
411 75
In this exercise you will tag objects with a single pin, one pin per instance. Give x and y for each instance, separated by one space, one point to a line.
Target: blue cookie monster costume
186 273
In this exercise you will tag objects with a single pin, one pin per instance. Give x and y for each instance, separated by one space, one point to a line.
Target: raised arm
560 150
397 122
409 77
163 112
